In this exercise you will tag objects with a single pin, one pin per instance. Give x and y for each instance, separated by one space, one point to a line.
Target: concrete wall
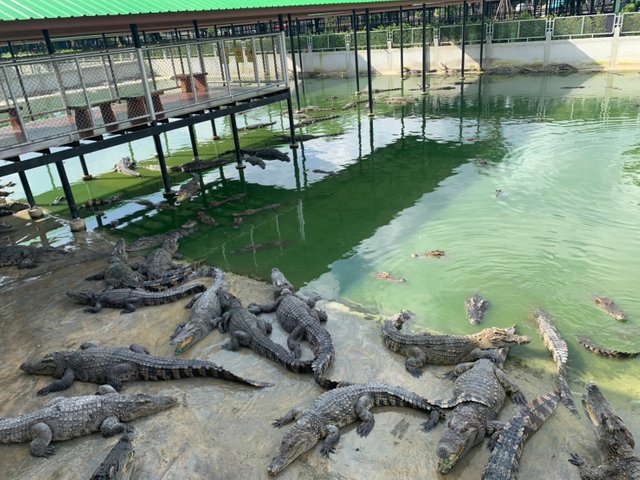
606 53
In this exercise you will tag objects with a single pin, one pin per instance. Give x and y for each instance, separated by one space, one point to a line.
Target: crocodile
64 418
159 263
247 330
143 243
479 390
429 254
605 352
312 121
263 153
476 306
255 161
611 308
300 318
388 276
230 199
614 441
279 282
189 189
507 445
204 218
126 166
336 409
118 465
205 316
22 256
560 353
427 348
114 365
198 164
256 126
128 299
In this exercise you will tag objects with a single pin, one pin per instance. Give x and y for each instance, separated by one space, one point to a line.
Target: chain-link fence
519 30
583 26
630 23
80 96
412 37
452 34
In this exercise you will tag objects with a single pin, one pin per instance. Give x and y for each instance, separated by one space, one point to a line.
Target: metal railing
630 23
584 26
519 30
77 96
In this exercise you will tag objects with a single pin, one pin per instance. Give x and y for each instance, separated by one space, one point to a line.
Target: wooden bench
14 123
83 117
199 82
137 105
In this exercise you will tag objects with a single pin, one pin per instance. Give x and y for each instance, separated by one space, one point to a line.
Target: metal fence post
84 91
255 63
283 59
15 104
225 65
187 49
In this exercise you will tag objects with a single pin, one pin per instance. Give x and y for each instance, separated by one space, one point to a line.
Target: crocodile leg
459 370
129 307
61 384
120 373
40 445
491 354
95 309
265 327
321 315
256 308
493 428
293 340
238 339
416 359
179 327
112 426
87 345
588 471
97 276
363 405
333 437
510 387
192 301
288 417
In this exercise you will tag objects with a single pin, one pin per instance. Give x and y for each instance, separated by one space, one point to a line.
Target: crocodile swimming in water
476 306
118 465
614 441
128 299
479 390
300 318
114 365
507 445
560 353
26 256
427 348
333 410
126 166
64 418
605 352
206 313
189 189
247 330
611 308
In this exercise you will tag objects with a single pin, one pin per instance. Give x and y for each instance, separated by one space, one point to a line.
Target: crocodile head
610 426
51 364
188 336
227 300
85 297
171 243
280 282
139 405
119 251
299 439
499 337
461 433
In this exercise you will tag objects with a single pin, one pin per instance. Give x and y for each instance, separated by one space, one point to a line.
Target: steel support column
68 194
370 88
163 166
464 37
236 142
193 139
293 60
354 25
401 46
483 12
26 187
292 128
300 55
424 49
213 128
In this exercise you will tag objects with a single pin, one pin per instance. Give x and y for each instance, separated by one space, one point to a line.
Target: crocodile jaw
45 366
447 461
141 404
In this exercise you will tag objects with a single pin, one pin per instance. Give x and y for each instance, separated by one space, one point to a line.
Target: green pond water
531 185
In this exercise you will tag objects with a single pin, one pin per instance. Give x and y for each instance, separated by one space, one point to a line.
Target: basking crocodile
560 353
476 306
159 263
143 243
118 465
428 348
614 440
479 392
247 330
605 352
611 308
506 446
300 318
65 418
114 365
26 256
189 189
280 282
128 299
205 316
336 409
126 166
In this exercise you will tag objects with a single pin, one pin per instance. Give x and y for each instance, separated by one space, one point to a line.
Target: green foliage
629 7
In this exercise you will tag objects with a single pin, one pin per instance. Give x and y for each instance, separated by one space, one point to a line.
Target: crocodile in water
427 348
114 365
614 441
336 409
65 418
507 445
605 352
611 308
476 306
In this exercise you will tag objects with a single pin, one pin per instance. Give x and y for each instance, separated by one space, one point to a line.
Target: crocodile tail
565 392
541 408
211 370
276 353
391 336
327 383
182 292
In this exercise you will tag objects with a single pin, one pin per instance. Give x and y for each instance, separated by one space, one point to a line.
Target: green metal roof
42 9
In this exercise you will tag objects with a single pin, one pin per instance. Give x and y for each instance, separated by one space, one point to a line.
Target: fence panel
630 23
519 30
583 26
